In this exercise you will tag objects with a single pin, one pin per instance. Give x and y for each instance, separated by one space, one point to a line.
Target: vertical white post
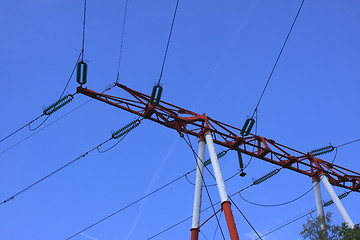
319 204
336 201
225 204
216 166
198 185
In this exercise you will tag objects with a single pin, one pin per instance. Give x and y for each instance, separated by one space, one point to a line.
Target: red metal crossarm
185 121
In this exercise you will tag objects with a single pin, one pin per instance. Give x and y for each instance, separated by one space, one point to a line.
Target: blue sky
219 59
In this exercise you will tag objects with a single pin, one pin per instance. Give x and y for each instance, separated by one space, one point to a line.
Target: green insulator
248 125
266 177
241 163
341 196
322 150
81 73
124 130
156 95
219 155
58 104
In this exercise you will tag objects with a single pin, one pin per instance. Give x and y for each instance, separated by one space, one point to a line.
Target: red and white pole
198 191
225 203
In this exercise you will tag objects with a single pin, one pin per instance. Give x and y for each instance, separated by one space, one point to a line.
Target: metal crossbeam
185 121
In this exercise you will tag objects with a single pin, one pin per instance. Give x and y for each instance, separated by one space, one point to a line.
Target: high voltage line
125 131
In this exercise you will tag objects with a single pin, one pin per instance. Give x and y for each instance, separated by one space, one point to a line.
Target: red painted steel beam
185 121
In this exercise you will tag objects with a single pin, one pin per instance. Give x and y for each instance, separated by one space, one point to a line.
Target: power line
122 40
168 42
127 206
278 58
213 185
279 204
83 33
66 114
286 223
52 173
344 144
32 121
205 209
243 215
28 124
62 167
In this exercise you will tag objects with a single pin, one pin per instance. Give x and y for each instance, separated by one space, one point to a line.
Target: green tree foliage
348 233
312 230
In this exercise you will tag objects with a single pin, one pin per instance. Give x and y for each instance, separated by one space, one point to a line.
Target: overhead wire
243 215
83 32
127 206
168 43
347 143
278 58
63 116
122 41
77 61
285 224
205 209
32 121
279 204
156 190
59 169
213 185
53 172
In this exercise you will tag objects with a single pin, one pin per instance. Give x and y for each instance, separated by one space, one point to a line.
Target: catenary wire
336 152
83 32
53 172
243 215
66 114
32 121
122 41
279 204
291 221
62 93
58 169
286 223
212 185
168 42
172 226
217 226
278 57
347 143
129 205
205 209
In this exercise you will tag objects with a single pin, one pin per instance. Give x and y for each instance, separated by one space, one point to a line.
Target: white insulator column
319 204
216 166
336 201
198 185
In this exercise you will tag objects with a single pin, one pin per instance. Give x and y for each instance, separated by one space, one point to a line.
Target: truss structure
185 121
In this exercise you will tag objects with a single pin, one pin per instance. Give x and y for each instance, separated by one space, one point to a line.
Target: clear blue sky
219 59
